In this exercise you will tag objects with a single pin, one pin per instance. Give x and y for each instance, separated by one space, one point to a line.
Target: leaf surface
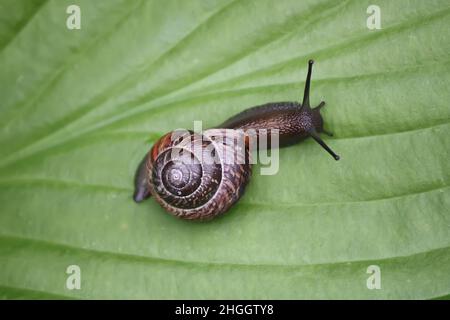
80 108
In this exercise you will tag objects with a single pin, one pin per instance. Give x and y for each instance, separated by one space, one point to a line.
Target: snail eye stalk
319 140
305 103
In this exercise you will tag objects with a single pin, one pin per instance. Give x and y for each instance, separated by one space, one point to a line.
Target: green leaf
80 108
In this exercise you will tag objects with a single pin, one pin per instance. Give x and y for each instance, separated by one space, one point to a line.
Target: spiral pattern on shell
199 176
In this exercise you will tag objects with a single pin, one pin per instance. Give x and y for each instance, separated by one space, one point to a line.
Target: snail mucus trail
201 191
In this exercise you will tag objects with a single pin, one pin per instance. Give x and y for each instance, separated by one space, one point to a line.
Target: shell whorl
199 176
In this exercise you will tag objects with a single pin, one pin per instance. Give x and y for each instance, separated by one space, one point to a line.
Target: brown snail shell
190 177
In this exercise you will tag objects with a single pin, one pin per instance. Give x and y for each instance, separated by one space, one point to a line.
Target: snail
176 174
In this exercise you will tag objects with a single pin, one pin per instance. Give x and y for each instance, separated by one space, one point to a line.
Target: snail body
196 183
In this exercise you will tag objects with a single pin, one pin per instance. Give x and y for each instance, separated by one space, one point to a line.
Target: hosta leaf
79 109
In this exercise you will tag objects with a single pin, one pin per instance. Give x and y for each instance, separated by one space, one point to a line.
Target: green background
79 109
